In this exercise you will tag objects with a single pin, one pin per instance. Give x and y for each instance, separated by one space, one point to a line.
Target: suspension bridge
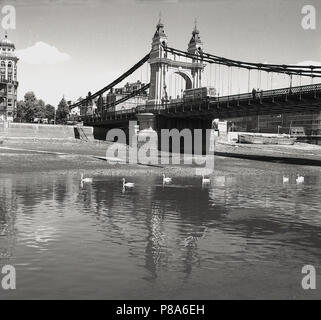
241 88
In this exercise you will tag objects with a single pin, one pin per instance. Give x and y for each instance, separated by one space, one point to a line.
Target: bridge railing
270 93
180 106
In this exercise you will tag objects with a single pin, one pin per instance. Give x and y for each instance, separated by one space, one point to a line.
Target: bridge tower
195 47
162 67
157 63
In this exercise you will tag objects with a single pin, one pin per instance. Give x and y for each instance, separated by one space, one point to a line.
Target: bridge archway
187 77
176 81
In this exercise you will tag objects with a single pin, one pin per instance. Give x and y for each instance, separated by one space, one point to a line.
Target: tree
27 109
49 112
40 111
30 106
21 110
62 111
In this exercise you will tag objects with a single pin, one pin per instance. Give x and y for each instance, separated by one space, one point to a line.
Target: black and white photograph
160 150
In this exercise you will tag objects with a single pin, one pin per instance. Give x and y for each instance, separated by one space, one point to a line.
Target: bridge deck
285 100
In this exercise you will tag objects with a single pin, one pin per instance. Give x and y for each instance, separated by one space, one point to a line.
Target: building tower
195 47
8 80
157 65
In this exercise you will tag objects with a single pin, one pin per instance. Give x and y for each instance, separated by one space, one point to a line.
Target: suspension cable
112 84
294 69
133 94
238 80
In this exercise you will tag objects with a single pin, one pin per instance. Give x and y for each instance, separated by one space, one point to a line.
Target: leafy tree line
31 108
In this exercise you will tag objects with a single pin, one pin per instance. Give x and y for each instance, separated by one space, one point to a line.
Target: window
2 76
10 64
10 102
3 64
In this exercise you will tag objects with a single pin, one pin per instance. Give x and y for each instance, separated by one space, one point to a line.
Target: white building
8 80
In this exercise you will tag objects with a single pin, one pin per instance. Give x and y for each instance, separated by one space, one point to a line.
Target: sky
70 47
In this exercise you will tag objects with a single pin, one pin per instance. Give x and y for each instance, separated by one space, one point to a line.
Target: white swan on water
166 179
128 184
86 180
299 179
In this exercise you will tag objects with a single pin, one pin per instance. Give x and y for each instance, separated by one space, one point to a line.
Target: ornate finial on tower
160 27
195 34
6 41
195 44
160 24
160 17
195 31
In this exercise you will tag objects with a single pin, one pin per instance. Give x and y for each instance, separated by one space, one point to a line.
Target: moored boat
266 139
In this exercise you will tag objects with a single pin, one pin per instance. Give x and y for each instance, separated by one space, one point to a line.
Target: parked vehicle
190 95
40 120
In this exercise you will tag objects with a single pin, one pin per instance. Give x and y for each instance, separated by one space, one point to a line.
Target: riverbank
42 155
299 153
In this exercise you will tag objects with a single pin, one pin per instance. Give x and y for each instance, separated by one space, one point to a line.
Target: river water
247 235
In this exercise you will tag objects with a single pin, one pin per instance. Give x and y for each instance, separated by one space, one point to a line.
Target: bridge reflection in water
175 241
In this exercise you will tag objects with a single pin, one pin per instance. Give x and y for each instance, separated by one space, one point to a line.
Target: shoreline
266 158
298 154
44 156
71 156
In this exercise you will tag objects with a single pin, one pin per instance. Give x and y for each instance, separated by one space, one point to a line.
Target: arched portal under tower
177 80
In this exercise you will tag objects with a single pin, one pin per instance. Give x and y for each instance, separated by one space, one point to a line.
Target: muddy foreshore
299 153
48 156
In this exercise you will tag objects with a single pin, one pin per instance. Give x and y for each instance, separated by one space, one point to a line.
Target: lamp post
290 127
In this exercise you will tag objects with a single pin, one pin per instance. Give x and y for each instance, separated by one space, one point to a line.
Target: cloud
42 53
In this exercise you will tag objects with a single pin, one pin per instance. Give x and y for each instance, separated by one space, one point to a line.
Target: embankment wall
43 131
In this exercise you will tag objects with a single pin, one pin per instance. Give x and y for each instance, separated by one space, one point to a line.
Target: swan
205 180
86 180
128 184
286 179
166 179
299 179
